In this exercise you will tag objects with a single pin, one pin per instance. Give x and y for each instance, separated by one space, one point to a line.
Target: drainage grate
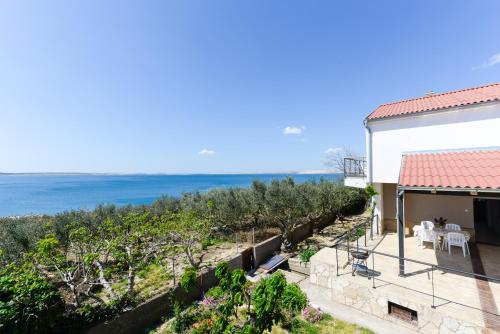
403 313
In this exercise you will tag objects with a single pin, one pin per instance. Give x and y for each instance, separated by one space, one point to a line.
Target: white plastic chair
456 239
452 227
427 224
424 225
426 233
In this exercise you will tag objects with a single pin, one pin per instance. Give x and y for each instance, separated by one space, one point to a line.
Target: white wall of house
457 128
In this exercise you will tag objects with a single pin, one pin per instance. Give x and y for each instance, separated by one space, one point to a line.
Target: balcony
355 172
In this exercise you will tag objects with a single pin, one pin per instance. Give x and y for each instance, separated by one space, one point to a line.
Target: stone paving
459 303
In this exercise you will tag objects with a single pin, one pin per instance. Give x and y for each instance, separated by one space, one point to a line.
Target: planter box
301 267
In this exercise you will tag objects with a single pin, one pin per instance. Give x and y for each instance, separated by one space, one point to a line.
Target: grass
150 281
328 325
154 279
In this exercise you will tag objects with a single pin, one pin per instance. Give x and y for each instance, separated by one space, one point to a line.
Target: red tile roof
467 169
457 98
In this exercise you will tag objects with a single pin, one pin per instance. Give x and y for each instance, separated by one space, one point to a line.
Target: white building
441 153
430 157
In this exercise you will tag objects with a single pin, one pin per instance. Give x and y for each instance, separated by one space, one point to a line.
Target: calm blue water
42 193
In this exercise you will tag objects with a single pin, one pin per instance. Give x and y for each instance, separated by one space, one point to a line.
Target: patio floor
458 295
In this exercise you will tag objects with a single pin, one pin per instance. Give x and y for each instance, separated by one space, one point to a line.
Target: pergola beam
401 231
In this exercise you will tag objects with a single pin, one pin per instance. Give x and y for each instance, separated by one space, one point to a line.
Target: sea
35 194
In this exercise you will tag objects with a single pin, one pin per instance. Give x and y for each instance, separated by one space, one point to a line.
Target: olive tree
19 236
227 208
256 203
284 206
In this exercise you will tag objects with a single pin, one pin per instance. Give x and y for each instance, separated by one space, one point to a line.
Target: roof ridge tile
441 94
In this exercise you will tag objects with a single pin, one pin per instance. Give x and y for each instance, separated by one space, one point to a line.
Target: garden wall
147 314
302 232
266 249
323 223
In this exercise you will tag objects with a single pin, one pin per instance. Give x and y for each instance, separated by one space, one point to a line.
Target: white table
441 232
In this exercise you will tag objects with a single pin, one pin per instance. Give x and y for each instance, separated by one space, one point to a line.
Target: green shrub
28 302
184 319
188 279
306 254
301 326
356 234
293 299
215 292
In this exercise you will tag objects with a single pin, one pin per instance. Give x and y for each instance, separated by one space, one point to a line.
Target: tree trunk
131 273
104 281
173 271
287 239
72 288
131 280
190 256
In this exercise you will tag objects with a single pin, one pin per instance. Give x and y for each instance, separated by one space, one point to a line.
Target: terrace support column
401 232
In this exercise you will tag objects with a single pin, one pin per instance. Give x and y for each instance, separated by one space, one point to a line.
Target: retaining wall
266 249
302 232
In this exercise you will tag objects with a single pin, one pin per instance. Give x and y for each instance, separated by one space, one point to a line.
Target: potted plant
440 221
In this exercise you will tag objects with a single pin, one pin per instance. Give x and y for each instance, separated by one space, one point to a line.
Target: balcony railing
354 167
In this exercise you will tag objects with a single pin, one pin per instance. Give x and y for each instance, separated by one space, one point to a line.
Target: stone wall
345 290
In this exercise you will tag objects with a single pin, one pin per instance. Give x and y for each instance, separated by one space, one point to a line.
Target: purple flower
209 302
312 314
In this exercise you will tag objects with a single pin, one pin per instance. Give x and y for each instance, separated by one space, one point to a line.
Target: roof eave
449 189
429 112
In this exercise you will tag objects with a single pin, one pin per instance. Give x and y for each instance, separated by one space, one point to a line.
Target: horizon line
307 172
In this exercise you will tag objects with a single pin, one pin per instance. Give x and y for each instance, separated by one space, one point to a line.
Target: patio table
441 232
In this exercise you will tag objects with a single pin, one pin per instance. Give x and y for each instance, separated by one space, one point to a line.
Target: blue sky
213 86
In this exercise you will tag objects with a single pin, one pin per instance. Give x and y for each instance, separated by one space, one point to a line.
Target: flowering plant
312 314
210 302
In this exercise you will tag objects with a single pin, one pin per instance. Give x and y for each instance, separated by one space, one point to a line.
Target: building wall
390 201
379 208
458 128
457 209
390 207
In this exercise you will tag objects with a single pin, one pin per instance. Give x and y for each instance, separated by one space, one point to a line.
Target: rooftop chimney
429 93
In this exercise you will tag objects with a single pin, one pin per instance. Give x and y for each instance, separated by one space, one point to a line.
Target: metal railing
354 167
345 242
